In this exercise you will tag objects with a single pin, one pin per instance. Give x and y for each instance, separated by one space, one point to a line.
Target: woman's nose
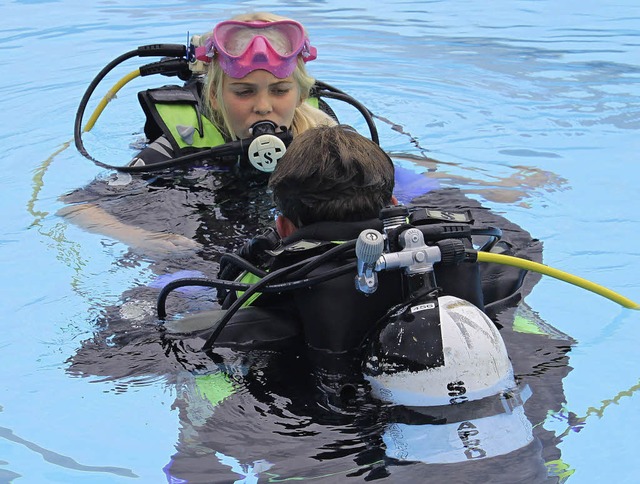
262 105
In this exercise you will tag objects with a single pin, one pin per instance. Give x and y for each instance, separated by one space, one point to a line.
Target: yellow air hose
558 274
108 97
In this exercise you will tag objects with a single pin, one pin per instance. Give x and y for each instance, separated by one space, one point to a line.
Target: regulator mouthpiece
266 149
262 127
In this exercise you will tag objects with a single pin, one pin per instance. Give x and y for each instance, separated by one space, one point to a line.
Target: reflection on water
262 415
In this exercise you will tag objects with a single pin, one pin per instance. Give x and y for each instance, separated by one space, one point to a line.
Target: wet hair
332 173
305 116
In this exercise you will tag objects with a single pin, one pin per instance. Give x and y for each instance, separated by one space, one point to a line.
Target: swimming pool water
532 108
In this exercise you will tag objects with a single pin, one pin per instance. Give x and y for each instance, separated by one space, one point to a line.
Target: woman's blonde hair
305 116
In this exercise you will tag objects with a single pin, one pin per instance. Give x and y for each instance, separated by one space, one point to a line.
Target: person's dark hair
332 173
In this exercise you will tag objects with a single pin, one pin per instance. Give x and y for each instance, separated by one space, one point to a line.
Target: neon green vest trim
174 114
558 468
215 387
248 278
313 102
522 324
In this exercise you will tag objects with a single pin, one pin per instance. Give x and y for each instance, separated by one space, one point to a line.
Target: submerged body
227 395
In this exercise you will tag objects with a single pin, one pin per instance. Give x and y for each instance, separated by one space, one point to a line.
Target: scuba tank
431 349
435 349
437 360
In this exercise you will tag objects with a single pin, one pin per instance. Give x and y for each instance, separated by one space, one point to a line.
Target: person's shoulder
157 151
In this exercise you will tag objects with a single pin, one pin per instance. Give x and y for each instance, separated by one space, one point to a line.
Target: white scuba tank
476 363
466 408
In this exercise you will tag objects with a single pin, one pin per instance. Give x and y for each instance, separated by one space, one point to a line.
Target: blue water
531 107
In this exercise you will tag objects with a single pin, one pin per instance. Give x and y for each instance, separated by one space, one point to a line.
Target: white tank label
422 307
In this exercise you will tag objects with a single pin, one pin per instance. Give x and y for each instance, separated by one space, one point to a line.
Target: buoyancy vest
334 315
503 287
177 113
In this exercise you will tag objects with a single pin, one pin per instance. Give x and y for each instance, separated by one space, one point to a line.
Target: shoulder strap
317 102
175 111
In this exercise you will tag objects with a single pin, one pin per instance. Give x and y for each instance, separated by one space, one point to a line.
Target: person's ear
284 226
394 200
214 103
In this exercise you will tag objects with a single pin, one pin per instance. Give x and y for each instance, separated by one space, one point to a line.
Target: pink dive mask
243 47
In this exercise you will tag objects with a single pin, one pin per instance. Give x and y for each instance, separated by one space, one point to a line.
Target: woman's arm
94 219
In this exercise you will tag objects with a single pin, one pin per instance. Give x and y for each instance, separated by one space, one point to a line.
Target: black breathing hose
264 285
333 93
169 50
242 286
176 63
322 258
307 266
238 303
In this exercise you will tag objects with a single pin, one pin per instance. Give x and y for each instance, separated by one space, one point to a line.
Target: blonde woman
255 72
